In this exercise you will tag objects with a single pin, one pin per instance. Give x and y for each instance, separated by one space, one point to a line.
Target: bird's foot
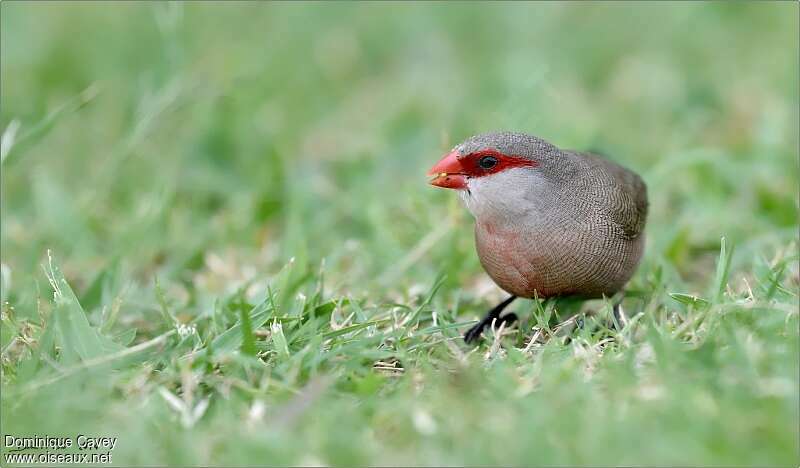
474 333
493 316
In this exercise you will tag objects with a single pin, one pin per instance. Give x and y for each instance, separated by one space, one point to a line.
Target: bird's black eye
487 162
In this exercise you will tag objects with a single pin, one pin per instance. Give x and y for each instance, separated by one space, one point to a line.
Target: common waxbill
548 222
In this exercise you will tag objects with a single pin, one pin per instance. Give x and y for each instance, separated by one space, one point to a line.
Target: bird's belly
538 263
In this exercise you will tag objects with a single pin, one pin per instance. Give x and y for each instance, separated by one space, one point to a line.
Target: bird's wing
626 195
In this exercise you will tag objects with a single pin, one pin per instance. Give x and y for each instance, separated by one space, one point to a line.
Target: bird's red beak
448 173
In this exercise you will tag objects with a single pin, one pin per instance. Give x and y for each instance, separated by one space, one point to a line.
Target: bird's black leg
494 314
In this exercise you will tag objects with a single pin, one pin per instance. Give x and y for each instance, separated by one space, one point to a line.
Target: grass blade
248 340
78 340
723 269
258 315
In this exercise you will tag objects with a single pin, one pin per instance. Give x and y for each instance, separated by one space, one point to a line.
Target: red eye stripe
472 167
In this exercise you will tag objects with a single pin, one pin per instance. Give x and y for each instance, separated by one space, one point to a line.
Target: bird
549 222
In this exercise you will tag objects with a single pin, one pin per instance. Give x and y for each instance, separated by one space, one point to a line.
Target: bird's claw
474 333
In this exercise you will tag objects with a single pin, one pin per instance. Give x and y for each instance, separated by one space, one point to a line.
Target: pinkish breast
506 261
549 263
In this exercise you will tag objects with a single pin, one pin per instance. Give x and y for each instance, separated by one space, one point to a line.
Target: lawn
219 245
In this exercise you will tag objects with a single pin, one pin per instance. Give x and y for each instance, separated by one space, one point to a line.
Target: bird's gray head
509 144
497 172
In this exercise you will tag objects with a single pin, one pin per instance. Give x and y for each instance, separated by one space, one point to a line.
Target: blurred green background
183 161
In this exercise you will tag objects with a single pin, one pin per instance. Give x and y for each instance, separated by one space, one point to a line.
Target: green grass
255 271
